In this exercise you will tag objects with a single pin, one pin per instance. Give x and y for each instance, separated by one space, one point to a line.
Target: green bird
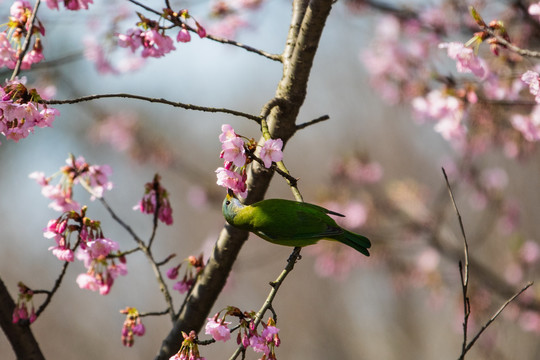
290 223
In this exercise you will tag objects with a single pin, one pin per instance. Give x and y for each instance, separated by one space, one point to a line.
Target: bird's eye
227 203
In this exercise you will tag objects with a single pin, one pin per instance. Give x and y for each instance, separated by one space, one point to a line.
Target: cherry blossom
218 329
271 152
466 60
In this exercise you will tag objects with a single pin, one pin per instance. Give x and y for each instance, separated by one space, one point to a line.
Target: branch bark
307 24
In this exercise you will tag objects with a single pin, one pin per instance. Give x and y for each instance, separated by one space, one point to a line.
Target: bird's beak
230 193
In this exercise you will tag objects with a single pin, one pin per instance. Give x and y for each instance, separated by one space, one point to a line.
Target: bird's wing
287 220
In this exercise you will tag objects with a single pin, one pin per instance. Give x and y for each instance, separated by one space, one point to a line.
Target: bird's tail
357 242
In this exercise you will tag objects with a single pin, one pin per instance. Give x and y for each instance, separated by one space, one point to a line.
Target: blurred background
369 160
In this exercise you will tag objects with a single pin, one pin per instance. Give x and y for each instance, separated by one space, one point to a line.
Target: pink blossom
172 273
494 179
232 180
62 200
532 78
118 130
271 151
52 4
139 329
19 10
258 344
87 281
101 247
467 61
94 52
40 178
528 126
233 151
97 177
269 333
62 253
70 4
365 172
155 44
445 110
183 36
182 286
8 55
530 252
148 203
115 270
534 10
132 39
227 133
20 112
200 30
218 329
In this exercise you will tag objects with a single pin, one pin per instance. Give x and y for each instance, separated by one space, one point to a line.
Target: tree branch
311 18
19 336
26 44
153 100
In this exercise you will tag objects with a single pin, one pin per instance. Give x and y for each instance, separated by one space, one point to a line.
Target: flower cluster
21 308
445 110
18 25
152 38
132 326
234 152
93 249
532 78
189 349
193 269
466 60
94 178
156 196
248 336
70 4
21 112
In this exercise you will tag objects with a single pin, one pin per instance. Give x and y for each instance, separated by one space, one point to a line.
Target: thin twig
312 122
154 313
295 255
154 100
274 57
159 277
463 270
507 44
497 313
26 44
291 179
53 290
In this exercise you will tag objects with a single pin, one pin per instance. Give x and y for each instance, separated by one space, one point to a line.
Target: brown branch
153 100
26 44
274 57
312 122
493 317
463 270
304 34
20 336
146 250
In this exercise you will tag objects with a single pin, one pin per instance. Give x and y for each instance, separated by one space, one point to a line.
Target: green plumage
290 223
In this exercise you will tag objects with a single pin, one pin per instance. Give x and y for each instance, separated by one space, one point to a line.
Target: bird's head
231 206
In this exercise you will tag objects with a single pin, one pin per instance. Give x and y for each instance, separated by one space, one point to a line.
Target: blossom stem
26 43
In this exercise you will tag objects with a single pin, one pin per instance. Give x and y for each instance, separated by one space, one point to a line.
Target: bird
290 223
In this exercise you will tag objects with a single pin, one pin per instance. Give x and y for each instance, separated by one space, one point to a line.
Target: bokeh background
370 312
